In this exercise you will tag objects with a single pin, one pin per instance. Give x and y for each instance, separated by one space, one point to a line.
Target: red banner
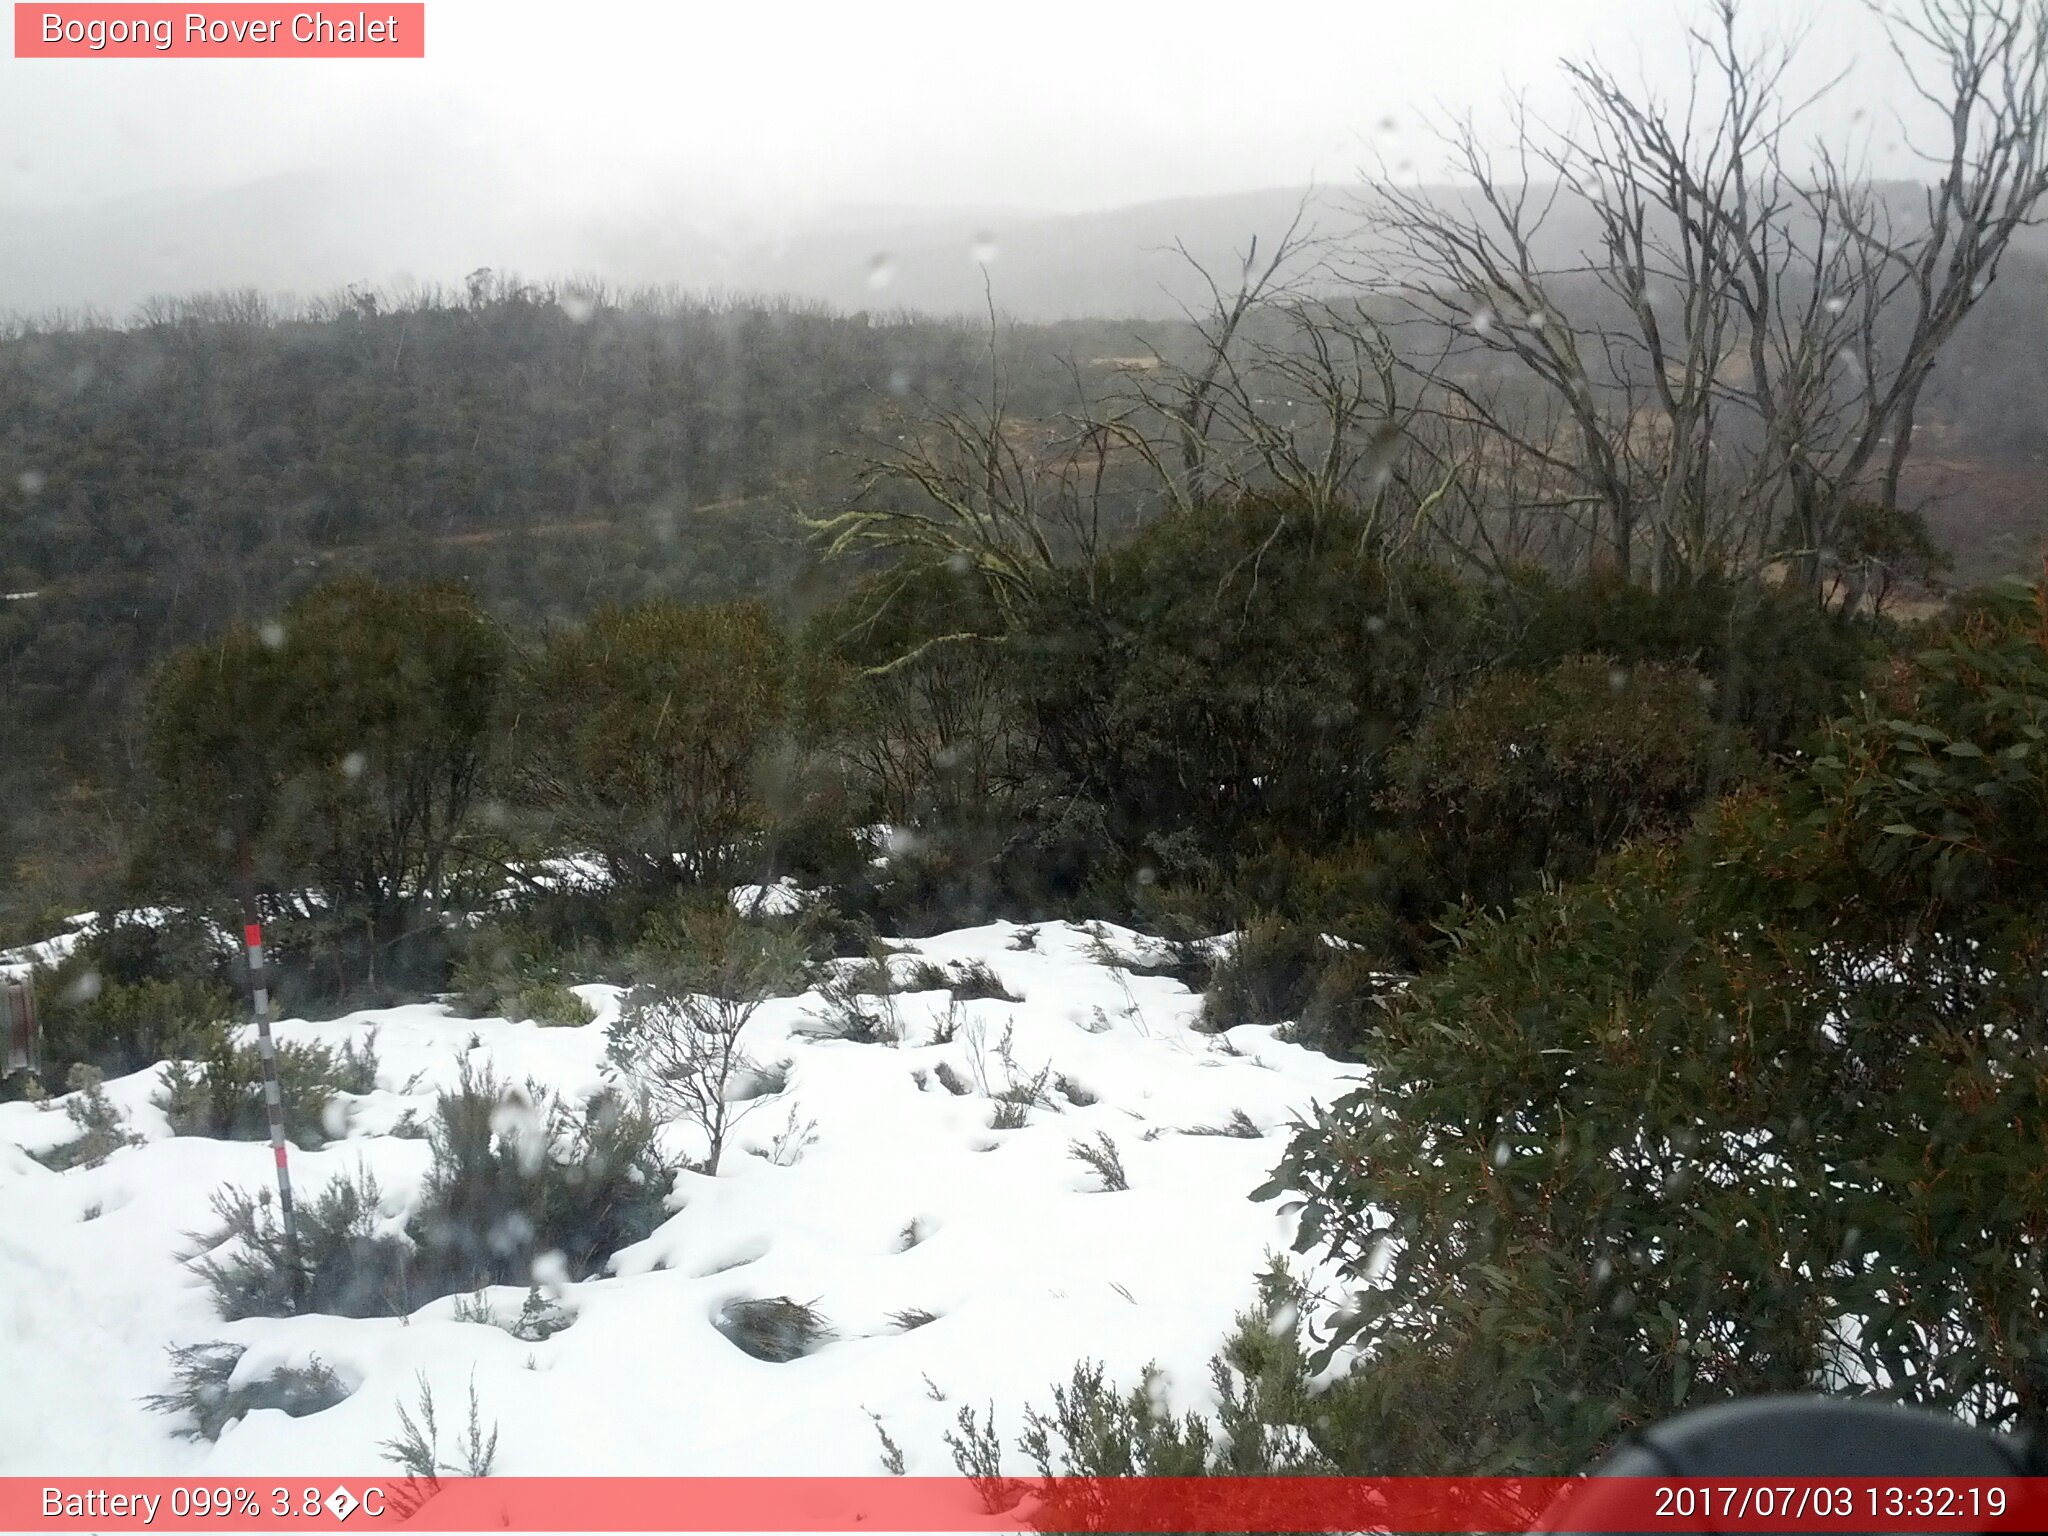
375 31
866 1504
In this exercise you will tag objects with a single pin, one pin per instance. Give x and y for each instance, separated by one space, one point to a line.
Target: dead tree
1735 340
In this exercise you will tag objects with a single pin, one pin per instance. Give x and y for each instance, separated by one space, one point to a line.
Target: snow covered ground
903 1198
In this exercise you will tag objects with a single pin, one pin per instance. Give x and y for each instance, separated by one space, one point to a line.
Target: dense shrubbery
349 1263
323 769
1779 664
1232 674
1266 976
1240 710
1540 774
513 970
1761 1114
647 737
1270 1418
131 994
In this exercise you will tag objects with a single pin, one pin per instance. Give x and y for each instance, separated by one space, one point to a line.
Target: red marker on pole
273 1104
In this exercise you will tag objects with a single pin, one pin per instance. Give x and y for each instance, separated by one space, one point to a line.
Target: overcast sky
749 111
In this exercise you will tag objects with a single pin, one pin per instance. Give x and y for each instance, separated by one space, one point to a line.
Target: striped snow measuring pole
273 1104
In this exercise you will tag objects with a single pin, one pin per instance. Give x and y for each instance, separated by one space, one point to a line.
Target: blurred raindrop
577 307
353 765
551 1270
881 271
32 482
983 251
272 634
1378 1260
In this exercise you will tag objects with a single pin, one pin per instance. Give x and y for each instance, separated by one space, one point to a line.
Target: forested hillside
551 448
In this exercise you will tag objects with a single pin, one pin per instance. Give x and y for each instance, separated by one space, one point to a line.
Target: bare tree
978 489
1735 354
677 1040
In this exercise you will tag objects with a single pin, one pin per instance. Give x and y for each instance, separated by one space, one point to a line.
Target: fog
782 145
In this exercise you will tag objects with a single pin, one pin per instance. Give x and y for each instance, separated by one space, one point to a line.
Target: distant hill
316 234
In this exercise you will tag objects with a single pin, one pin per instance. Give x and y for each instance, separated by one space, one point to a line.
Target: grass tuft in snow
1101 1155
204 1393
416 1449
892 1453
774 1328
912 1317
1239 1125
968 981
1073 1092
853 1010
208 1400
978 1453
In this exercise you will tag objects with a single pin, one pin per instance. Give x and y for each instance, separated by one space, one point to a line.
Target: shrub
512 969
973 980
1270 1418
91 1016
349 1264
537 1320
1267 975
677 1040
1779 663
1347 1005
550 1004
219 1091
1240 670
99 1123
416 1448
775 1329
910 690
854 1013
339 757
1533 775
512 1179
207 1396
516 1176
647 735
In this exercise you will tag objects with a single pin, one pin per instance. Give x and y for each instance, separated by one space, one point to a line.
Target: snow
781 899
1028 1265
